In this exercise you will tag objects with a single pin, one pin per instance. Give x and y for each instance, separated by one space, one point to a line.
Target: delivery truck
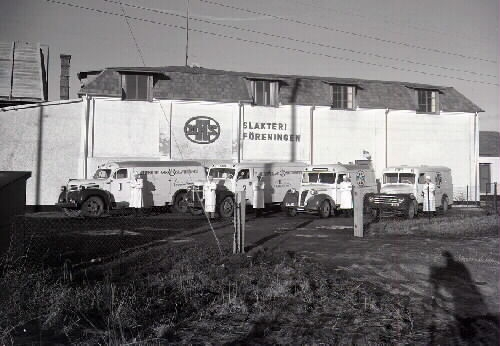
165 183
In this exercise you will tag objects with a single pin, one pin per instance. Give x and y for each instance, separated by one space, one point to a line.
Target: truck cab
229 178
402 187
320 192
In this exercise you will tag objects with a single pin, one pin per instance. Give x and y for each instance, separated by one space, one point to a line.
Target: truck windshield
102 173
401 178
223 173
324 178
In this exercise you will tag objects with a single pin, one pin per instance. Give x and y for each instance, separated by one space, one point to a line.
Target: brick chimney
64 82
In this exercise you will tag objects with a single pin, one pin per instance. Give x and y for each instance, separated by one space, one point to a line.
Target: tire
291 212
226 207
444 205
180 203
325 209
92 207
72 212
412 211
195 211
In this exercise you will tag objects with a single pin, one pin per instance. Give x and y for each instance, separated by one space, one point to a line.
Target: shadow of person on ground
452 284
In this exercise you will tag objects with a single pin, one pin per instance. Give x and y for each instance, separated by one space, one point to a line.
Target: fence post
239 222
358 211
495 202
467 198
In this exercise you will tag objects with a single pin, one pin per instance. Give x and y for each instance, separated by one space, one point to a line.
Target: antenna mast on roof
187 31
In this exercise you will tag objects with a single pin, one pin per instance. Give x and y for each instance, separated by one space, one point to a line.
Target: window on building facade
136 87
343 96
265 93
427 101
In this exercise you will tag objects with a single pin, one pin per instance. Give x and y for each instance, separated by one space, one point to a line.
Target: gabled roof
489 143
195 83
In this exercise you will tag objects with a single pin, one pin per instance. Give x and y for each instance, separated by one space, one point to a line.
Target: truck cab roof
422 168
338 167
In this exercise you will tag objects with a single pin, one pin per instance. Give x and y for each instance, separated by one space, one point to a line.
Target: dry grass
190 295
460 225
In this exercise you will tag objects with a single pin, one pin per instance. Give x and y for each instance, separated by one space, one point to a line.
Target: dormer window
343 96
427 101
265 92
137 87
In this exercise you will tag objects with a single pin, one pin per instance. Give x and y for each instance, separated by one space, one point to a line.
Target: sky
446 42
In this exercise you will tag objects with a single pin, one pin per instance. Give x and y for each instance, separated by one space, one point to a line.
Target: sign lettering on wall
202 130
268 132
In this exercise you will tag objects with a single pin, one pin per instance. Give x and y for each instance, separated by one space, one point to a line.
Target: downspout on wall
386 132
311 124
238 142
84 137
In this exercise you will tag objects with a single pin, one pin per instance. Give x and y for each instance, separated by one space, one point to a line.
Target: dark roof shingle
195 83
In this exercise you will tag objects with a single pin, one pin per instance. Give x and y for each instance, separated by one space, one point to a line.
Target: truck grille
303 197
385 199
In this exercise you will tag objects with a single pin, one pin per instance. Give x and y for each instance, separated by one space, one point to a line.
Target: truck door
336 194
243 184
120 187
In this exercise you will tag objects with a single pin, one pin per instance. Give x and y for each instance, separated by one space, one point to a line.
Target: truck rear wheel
92 207
226 207
195 211
180 203
291 212
325 209
444 205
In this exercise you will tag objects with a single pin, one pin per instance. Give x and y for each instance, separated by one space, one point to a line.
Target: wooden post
359 194
239 222
495 202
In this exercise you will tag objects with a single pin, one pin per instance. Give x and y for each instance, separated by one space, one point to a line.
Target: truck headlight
63 188
292 190
371 199
82 187
401 200
313 192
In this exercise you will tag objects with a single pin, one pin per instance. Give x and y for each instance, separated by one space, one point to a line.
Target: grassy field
311 284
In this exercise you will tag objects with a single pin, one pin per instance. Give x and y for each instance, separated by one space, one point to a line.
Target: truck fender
220 195
104 195
315 201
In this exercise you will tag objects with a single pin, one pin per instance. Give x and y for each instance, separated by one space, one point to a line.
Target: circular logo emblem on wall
202 130
360 178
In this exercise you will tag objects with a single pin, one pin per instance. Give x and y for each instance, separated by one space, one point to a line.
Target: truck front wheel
412 210
325 209
291 212
92 207
226 207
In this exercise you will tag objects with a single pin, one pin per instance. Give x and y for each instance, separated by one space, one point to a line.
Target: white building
210 115
489 160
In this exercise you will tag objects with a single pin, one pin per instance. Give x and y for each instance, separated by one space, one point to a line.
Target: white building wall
51 157
111 129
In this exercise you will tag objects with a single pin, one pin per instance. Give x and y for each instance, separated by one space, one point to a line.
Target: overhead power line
318 44
265 43
389 22
356 34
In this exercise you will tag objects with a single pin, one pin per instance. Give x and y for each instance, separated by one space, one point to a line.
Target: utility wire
319 44
269 44
390 22
132 34
409 45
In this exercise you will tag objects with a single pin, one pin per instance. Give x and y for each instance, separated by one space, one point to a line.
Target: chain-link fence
466 195
58 241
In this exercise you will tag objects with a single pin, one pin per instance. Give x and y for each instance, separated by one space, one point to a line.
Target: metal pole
187 31
467 198
429 201
495 202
